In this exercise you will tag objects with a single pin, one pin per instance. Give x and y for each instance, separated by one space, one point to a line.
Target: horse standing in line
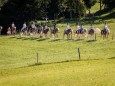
33 29
39 30
9 31
45 31
91 32
54 32
68 32
13 29
24 30
80 32
105 32
77 28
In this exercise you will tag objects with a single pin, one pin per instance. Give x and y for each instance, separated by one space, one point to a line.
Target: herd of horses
81 33
42 31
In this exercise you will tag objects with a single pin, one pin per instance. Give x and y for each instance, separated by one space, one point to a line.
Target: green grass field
58 63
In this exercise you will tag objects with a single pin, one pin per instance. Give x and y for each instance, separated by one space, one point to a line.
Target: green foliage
89 4
73 6
2 2
109 3
22 9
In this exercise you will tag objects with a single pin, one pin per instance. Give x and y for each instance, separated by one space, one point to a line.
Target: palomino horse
68 32
45 31
54 32
0 29
105 33
80 32
24 31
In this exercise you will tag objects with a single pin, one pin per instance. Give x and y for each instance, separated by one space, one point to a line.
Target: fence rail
79 54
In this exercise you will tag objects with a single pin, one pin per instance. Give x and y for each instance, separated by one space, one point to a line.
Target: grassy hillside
22 52
58 63
78 73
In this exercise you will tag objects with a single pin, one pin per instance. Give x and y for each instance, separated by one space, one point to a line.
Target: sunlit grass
82 73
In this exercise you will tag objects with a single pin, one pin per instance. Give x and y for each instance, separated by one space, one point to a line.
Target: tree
53 9
2 2
108 3
100 1
89 4
20 11
73 7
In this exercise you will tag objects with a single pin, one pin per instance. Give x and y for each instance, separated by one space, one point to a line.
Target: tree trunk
100 5
89 12
71 15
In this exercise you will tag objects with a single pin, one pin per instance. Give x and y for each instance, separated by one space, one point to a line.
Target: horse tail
108 31
97 30
58 29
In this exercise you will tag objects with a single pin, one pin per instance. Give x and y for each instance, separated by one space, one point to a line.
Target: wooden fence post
37 58
79 53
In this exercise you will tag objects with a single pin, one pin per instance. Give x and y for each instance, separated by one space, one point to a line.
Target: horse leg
94 38
45 35
75 35
41 35
88 36
53 35
103 36
107 35
63 36
50 35
79 36
67 36
56 35
71 35
21 34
